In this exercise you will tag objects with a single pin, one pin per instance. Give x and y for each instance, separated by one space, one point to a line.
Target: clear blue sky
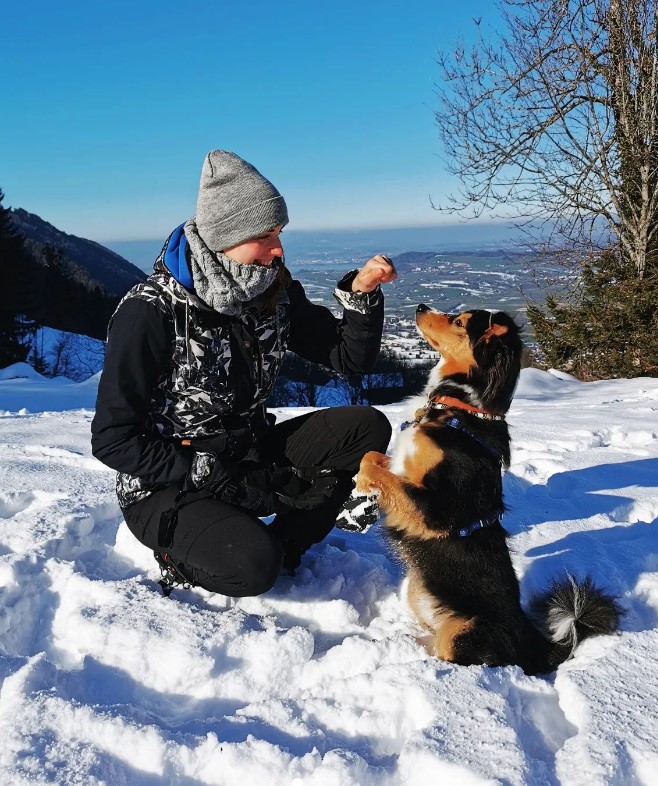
110 107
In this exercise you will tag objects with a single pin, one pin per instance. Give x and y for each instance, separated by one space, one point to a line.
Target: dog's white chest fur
405 445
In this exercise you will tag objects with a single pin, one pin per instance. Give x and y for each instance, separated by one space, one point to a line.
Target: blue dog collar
464 532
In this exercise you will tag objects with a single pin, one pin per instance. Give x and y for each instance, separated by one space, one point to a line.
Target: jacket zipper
253 345
259 363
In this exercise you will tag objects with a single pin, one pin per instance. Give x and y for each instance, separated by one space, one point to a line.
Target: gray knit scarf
221 283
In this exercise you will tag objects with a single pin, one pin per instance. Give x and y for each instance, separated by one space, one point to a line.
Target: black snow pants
229 550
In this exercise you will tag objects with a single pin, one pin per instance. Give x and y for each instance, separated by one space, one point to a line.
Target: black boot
173 573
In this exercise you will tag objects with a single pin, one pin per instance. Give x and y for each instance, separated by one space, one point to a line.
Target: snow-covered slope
323 681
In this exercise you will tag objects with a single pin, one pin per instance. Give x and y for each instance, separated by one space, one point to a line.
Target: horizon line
504 223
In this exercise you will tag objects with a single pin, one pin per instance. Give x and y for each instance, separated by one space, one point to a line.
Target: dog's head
480 348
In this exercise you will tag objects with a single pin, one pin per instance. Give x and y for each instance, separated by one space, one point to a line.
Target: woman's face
259 250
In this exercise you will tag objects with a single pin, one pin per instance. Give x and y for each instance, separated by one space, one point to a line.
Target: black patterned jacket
176 369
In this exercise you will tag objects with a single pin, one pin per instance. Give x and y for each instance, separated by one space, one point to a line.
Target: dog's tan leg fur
402 513
452 626
445 625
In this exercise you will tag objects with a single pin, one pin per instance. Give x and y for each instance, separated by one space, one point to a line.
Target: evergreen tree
17 280
606 327
88 307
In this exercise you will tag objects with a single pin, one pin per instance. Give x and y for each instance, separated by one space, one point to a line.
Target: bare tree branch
556 119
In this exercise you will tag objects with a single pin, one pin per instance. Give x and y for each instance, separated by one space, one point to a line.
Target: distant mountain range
89 262
329 246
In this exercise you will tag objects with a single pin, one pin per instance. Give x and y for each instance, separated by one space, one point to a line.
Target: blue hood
175 258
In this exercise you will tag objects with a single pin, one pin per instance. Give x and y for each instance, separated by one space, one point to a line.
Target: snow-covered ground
66 354
323 681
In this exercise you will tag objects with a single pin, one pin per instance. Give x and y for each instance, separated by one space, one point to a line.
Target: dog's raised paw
363 483
372 457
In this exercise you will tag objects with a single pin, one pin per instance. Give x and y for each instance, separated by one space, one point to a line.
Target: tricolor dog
442 496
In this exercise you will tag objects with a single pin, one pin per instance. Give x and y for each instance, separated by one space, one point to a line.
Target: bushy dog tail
571 612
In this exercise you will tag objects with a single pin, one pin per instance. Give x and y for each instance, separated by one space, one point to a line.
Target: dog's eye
459 323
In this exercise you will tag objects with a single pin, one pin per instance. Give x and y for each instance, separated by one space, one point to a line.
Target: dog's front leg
401 511
375 478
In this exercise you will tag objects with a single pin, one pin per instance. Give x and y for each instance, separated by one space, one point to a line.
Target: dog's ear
498 358
495 330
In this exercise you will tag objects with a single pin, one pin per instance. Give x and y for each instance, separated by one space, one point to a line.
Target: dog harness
455 422
448 402
464 532
489 521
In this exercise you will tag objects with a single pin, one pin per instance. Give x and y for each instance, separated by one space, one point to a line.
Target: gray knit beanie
235 202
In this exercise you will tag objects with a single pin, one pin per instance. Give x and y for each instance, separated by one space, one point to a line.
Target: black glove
307 488
212 465
252 486
266 490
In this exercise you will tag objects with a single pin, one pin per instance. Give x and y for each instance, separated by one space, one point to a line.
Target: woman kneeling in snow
192 355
